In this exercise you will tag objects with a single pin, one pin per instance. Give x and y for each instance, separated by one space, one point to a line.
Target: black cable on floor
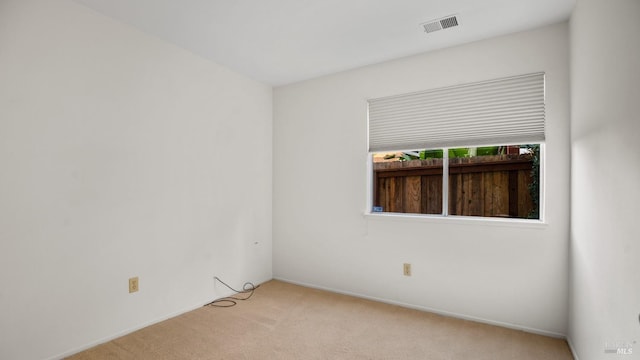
229 301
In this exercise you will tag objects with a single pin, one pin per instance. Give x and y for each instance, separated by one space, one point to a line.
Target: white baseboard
573 349
431 310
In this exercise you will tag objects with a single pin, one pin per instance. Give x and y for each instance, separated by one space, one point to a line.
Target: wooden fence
494 186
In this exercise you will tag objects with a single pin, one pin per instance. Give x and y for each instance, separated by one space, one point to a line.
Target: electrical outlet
133 284
407 269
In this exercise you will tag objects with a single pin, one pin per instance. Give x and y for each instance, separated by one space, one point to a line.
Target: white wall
605 112
120 156
503 273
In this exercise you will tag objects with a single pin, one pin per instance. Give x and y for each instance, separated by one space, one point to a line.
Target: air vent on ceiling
435 25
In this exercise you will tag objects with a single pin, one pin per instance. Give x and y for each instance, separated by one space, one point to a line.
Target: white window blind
501 111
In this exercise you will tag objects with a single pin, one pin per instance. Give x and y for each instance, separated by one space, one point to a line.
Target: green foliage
407 157
487 150
534 187
431 154
458 153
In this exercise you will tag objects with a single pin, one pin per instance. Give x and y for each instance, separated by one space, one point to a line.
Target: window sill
458 220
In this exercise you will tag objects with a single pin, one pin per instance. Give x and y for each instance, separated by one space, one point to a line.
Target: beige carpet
284 321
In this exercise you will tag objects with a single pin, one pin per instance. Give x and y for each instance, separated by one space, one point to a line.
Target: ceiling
284 41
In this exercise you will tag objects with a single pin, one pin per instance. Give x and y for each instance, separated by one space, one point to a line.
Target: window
489 181
499 176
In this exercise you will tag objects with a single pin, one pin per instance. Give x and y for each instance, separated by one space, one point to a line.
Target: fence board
412 194
475 199
500 194
526 205
478 186
432 193
513 193
487 180
395 195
